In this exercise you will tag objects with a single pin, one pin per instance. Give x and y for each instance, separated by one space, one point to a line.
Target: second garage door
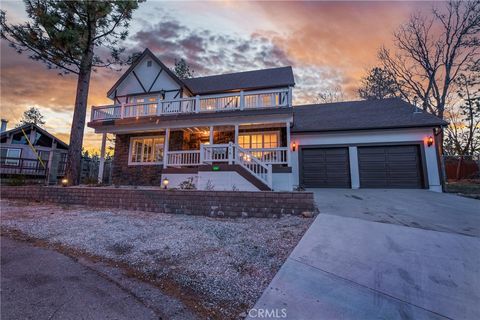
325 168
390 167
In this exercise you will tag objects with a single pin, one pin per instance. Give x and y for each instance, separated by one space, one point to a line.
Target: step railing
252 164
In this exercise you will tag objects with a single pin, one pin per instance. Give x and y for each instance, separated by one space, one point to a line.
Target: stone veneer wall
208 203
141 175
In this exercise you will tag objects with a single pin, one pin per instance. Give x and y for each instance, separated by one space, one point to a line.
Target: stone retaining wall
208 203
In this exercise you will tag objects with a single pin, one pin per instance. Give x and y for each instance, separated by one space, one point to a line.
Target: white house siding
282 181
220 181
147 75
354 138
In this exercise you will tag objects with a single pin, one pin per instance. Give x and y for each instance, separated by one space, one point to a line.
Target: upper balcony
248 100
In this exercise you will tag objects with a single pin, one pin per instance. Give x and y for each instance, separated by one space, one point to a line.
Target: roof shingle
256 79
360 115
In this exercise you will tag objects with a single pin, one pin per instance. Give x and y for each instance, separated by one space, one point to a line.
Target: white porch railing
231 153
197 104
183 158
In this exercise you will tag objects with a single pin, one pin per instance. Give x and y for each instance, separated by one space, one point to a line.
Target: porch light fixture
162 94
165 183
294 146
64 182
430 141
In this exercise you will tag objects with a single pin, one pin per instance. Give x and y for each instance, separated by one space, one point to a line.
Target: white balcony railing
213 103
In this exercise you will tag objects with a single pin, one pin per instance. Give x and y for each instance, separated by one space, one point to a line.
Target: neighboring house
240 131
18 157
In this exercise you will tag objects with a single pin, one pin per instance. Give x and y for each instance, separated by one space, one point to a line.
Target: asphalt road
38 283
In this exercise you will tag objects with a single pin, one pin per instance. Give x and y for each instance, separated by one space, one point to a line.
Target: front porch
241 150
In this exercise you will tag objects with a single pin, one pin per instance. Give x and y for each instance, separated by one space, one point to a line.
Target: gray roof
361 115
257 79
30 125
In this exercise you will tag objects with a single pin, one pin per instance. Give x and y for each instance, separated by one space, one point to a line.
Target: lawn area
223 265
467 188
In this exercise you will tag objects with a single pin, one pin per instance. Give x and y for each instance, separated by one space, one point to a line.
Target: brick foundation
208 203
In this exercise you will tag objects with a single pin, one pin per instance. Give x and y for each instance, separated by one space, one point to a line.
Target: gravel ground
226 263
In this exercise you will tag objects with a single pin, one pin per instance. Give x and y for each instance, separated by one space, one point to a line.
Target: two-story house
239 131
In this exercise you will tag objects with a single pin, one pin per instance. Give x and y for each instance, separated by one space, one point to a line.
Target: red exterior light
430 141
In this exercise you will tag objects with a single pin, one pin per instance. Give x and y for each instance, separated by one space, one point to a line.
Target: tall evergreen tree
182 69
65 35
30 116
378 84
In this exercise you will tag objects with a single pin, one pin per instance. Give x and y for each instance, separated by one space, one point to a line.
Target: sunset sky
327 44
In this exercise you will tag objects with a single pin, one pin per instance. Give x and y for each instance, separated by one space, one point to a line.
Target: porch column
101 164
165 147
236 134
288 145
211 136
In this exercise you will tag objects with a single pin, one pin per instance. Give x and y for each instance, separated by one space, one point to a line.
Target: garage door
390 167
325 168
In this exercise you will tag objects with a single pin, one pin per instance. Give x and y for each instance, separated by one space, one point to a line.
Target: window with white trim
259 140
146 150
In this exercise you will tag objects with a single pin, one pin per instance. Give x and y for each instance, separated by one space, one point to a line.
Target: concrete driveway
382 254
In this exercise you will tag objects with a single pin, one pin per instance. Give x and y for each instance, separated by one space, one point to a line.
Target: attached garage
397 166
325 168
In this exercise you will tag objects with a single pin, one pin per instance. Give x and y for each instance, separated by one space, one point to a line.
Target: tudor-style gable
147 76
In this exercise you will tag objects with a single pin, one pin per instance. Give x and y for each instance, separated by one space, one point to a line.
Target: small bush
17 180
187 184
209 186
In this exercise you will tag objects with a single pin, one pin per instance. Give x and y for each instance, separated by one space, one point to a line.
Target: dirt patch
219 267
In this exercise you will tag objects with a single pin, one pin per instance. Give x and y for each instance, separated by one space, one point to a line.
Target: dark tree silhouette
64 35
378 84
32 115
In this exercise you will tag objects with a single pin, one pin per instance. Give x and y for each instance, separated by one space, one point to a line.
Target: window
257 140
44 155
9 153
146 150
149 63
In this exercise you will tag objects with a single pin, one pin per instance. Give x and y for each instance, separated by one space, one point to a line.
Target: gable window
259 140
146 150
149 63
9 156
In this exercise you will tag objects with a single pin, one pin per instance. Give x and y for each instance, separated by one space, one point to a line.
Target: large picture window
146 150
258 140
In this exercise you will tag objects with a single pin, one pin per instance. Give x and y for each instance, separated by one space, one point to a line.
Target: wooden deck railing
212 103
23 166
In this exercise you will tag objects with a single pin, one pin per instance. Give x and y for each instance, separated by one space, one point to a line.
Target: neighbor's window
8 153
146 150
258 140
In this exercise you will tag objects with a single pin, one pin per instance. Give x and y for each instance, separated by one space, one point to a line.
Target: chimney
4 125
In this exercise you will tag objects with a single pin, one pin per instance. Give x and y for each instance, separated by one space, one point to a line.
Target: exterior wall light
430 141
294 146
165 183
64 182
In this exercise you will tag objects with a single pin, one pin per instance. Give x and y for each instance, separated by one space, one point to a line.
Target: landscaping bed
221 265
468 188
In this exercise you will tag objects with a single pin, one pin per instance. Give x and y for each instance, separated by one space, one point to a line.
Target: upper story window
146 150
259 140
149 63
